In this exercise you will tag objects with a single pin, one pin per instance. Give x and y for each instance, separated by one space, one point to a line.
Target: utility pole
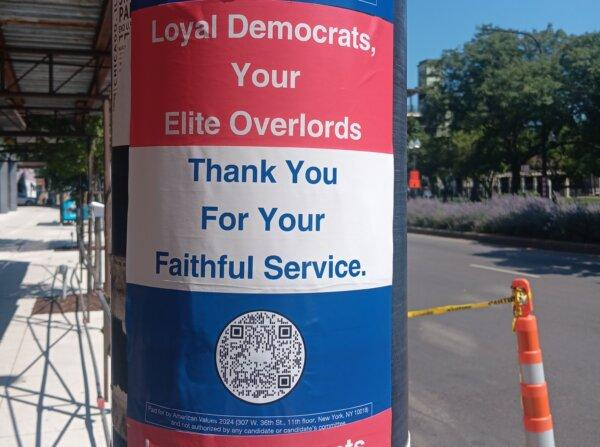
400 433
259 234
107 235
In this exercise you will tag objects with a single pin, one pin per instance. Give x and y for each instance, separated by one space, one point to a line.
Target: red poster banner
280 89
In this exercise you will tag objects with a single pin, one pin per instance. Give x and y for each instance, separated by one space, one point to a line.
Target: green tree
499 100
488 95
66 159
579 143
548 101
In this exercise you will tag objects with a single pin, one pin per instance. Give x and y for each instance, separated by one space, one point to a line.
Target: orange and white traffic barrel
539 430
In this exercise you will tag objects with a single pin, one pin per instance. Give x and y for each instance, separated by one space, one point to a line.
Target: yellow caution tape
459 307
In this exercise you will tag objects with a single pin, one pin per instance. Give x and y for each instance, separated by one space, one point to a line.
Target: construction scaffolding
55 63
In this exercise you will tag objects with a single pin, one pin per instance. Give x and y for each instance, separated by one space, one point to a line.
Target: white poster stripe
176 206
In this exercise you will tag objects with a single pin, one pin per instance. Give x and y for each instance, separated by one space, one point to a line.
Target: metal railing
75 283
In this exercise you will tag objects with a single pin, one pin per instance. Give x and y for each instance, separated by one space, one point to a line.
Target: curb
542 244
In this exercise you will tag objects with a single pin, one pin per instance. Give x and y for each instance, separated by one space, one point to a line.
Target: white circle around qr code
260 357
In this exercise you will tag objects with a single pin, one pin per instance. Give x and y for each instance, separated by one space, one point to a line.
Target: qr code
260 357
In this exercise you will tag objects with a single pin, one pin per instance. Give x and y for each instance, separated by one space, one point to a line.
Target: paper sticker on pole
260 224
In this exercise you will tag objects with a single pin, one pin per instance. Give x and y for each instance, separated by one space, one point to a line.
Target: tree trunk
475 196
491 181
445 190
515 184
488 186
61 202
433 185
545 191
459 186
544 155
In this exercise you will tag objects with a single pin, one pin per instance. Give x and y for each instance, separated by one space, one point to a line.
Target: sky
435 25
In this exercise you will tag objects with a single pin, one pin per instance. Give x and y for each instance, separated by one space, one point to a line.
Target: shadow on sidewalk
58 328
12 289
11 277
24 245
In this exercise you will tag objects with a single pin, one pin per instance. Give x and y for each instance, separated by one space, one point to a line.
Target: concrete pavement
463 372
47 388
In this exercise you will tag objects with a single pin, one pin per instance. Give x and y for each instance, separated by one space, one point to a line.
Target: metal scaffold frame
55 62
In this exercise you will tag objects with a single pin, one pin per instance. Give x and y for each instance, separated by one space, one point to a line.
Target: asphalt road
463 371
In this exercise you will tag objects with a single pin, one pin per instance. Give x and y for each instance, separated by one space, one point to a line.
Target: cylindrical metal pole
90 221
97 256
266 242
107 236
4 188
12 184
400 435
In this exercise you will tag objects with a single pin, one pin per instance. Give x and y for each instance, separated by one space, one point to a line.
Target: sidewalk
47 386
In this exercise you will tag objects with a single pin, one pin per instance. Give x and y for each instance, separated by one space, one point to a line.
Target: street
463 371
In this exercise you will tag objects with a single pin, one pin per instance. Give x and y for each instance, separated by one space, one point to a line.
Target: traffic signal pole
259 237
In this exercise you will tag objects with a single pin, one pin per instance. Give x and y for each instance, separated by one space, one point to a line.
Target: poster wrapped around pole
260 224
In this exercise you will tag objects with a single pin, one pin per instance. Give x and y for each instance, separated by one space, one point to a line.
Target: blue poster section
172 336
379 8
